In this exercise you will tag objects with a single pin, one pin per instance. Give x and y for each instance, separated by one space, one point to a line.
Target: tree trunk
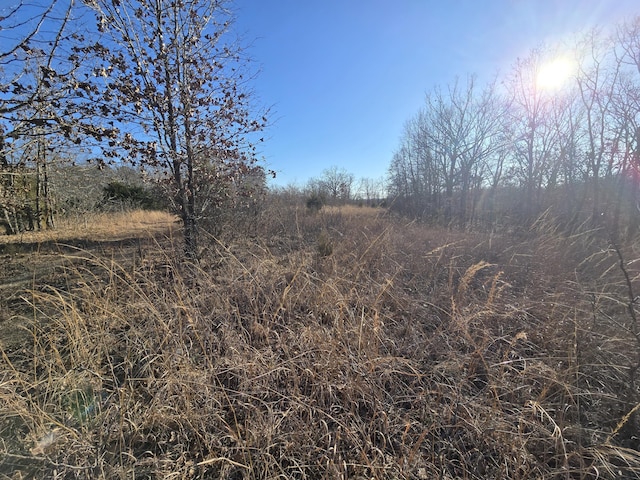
10 229
39 180
48 201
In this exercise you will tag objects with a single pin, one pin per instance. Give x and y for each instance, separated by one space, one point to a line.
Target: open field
97 227
345 344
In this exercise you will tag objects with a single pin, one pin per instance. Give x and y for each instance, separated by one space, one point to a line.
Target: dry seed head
470 274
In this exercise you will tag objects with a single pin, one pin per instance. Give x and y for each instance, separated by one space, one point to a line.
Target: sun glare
554 74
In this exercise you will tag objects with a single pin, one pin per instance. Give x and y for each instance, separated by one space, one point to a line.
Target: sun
554 74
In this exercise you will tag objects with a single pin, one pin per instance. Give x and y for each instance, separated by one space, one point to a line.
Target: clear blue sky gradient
343 76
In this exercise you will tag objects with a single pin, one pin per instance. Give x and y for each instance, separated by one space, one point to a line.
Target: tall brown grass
99 226
401 352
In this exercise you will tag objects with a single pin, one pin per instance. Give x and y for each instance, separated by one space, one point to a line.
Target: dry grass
353 211
100 227
402 352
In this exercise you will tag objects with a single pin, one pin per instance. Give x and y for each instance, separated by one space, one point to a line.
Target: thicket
343 344
315 203
29 203
122 196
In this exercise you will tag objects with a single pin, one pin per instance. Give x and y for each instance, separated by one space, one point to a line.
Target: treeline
334 186
505 153
35 194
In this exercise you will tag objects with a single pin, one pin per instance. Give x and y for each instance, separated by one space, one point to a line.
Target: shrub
122 195
315 203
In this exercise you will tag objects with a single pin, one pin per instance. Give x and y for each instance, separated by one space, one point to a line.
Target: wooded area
502 154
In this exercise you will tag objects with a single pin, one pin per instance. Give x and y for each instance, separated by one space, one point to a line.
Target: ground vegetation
344 343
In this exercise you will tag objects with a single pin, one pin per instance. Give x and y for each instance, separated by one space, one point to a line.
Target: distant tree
413 178
172 77
370 190
469 133
314 186
596 84
337 183
446 152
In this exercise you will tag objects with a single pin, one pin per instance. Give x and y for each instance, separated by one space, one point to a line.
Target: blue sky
343 76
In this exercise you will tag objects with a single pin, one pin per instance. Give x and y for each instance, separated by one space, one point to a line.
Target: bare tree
535 142
597 82
337 183
447 147
370 190
415 182
626 105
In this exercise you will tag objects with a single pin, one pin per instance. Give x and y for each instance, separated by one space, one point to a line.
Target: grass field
344 344
99 227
